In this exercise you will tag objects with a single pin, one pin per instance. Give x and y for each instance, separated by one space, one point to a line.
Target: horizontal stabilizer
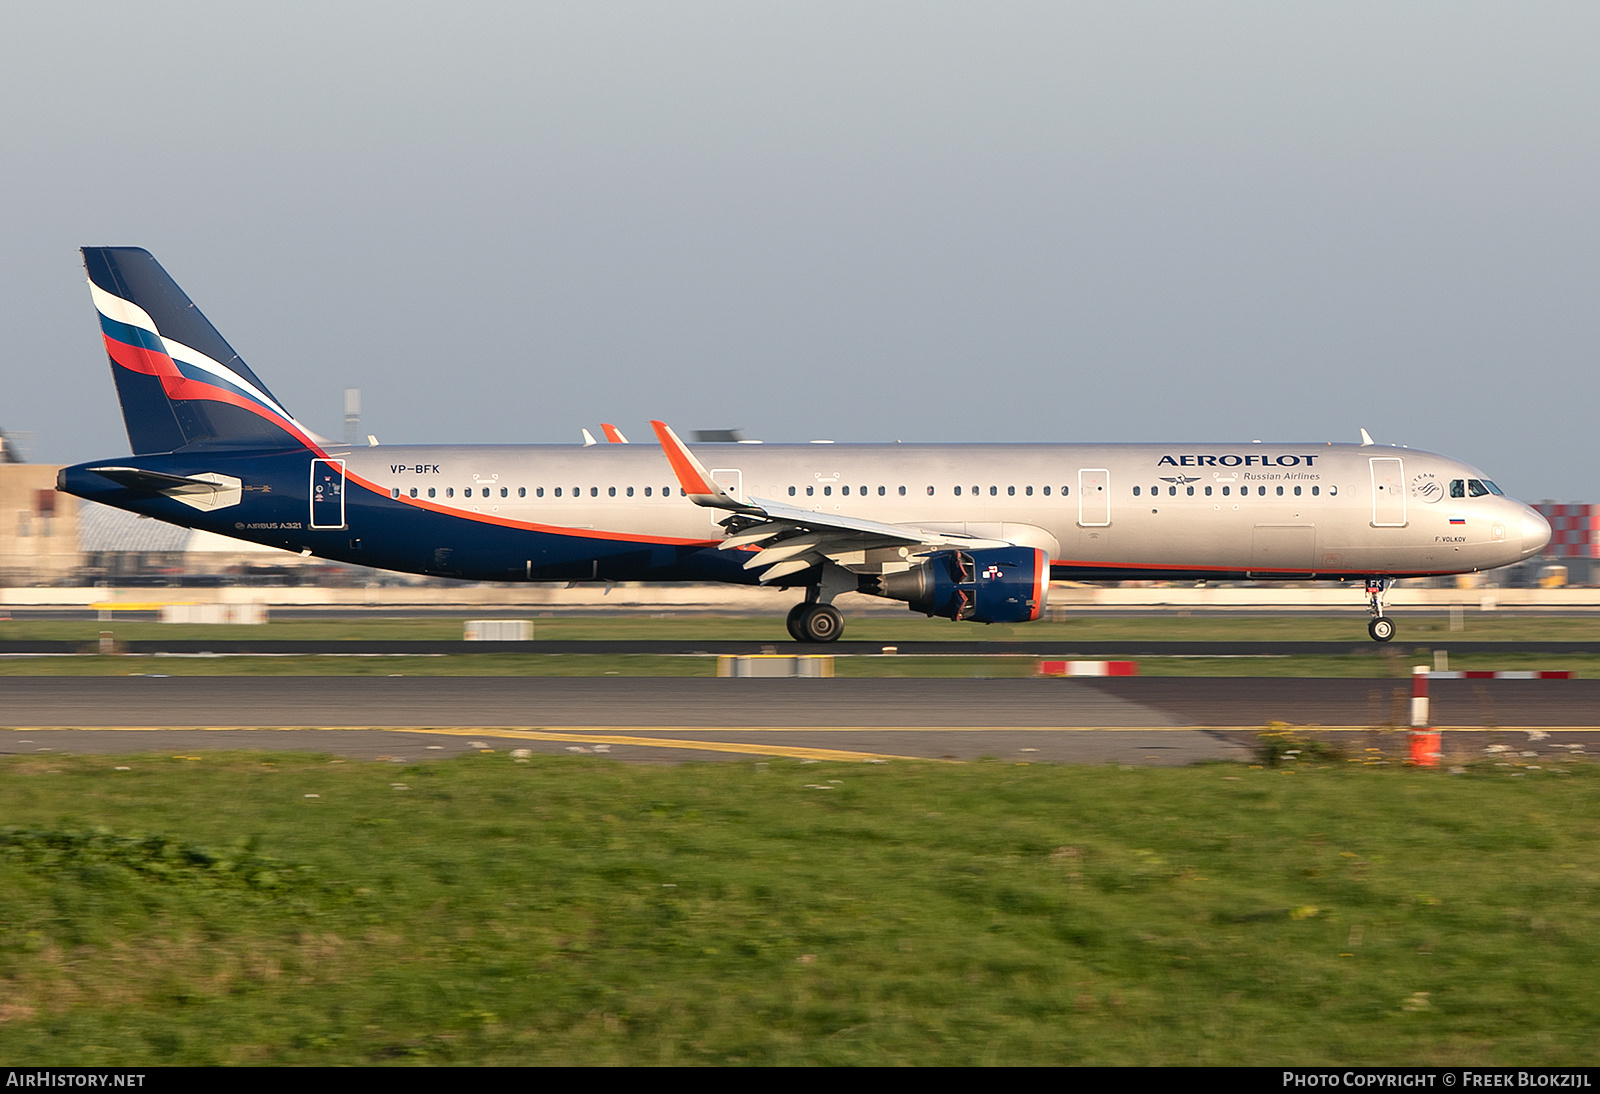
206 491
154 482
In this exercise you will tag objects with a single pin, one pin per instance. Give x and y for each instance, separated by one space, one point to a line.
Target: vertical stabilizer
179 382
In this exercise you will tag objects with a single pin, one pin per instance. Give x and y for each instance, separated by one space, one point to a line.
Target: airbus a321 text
964 531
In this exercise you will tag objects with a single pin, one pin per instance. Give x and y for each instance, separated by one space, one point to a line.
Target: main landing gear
1380 627
817 620
812 622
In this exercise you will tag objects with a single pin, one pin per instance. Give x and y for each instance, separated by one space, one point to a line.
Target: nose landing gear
1380 627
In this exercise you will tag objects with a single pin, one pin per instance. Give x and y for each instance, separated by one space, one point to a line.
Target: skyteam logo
1427 489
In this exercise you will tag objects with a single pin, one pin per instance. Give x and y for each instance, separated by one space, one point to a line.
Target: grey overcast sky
858 221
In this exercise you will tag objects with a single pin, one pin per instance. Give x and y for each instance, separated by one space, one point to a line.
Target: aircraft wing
788 539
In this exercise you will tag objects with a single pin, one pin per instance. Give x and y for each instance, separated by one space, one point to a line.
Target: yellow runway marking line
793 752
579 731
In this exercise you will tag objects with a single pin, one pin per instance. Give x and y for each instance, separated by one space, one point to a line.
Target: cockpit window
1458 488
1493 489
1476 489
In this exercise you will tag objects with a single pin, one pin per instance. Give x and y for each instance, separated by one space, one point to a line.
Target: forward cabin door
1388 492
1094 497
327 493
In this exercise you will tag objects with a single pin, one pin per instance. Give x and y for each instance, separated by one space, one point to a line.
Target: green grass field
1391 664
240 908
1420 635
1415 628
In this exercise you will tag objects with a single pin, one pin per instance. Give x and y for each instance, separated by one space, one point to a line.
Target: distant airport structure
1574 538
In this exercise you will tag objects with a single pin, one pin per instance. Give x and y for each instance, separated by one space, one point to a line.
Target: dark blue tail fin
180 383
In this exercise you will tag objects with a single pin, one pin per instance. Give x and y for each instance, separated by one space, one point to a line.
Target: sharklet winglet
693 478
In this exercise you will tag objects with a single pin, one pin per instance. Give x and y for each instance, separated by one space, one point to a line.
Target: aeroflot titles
1235 461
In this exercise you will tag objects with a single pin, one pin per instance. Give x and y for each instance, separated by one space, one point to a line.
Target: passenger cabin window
791 491
449 491
827 491
1208 491
558 491
810 490
394 492
430 491
845 490
958 491
1047 491
930 491
1314 490
1135 491
413 491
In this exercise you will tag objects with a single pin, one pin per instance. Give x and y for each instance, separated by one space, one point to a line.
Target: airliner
971 532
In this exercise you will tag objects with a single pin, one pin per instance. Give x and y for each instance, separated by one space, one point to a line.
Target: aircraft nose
1535 532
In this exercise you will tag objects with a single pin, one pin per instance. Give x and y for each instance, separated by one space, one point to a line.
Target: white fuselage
1267 510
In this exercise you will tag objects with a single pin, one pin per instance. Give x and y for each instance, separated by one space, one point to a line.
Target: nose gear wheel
1380 627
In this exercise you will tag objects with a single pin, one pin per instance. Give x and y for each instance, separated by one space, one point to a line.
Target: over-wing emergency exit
970 532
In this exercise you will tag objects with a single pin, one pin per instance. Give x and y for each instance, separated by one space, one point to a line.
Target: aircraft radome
964 531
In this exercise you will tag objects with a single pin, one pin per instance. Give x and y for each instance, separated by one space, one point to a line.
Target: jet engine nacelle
992 585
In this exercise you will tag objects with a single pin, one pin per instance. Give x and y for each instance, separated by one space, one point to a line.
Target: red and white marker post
1424 738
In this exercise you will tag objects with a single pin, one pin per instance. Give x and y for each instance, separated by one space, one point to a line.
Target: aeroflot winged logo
1232 460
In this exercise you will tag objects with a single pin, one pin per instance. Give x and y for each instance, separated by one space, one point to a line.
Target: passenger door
1094 497
1388 492
327 493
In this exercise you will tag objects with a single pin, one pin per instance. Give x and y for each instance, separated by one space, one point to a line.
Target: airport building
38 527
1574 538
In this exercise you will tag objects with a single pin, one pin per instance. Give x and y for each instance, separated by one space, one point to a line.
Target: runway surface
1124 720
